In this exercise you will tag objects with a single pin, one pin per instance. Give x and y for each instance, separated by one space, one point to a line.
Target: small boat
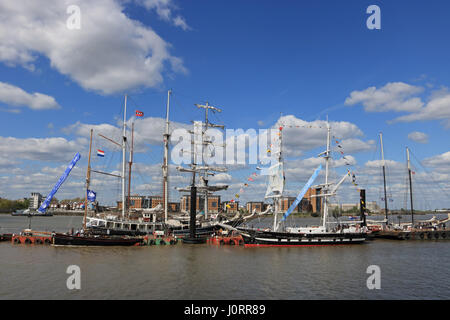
28 236
31 213
6 237
62 239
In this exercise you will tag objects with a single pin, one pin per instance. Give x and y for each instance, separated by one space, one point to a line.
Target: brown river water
409 269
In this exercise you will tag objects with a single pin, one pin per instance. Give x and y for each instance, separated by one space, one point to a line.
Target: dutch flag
100 153
139 113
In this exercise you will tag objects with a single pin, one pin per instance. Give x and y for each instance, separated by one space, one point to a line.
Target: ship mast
327 160
88 178
384 177
410 187
124 140
207 172
130 163
277 198
166 160
199 165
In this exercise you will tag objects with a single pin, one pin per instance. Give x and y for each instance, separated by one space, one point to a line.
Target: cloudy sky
264 64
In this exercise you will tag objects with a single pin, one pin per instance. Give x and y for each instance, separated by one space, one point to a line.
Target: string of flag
341 152
245 185
252 177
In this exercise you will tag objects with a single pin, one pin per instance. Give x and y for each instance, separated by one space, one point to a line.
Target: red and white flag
139 113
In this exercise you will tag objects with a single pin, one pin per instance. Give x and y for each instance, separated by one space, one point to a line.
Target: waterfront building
147 202
371 206
254 205
185 203
35 200
230 207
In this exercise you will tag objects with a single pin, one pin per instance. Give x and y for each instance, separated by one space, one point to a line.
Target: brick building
143 202
233 206
213 203
185 203
259 206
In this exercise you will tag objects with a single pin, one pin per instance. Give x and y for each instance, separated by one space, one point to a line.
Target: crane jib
302 193
61 180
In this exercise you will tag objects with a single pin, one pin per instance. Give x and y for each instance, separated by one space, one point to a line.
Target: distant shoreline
298 215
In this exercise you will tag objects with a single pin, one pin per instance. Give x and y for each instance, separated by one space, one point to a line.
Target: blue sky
254 59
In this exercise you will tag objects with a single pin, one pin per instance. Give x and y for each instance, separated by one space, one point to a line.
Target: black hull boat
200 231
115 232
6 237
438 234
60 239
261 238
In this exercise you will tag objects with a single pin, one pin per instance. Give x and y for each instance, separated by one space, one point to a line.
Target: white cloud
300 136
147 131
110 53
429 187
440 163
180 22
418 136
164 9
40 149
352 145
17 97
438 108
394 96
401 97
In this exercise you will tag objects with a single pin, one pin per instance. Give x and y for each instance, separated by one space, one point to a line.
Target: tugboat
302 236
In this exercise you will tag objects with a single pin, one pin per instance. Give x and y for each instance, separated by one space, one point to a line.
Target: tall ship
329 233
120 223
206 224
151 220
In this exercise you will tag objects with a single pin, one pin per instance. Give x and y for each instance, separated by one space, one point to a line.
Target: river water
409 269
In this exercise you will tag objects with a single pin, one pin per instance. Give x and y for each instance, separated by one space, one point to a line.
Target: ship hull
115 232
414 235
199 231
258 238
31 214
70 240
178 232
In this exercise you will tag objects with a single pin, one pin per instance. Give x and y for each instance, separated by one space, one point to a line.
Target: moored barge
61 239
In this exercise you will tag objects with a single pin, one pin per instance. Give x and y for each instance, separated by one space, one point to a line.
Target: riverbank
58 212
